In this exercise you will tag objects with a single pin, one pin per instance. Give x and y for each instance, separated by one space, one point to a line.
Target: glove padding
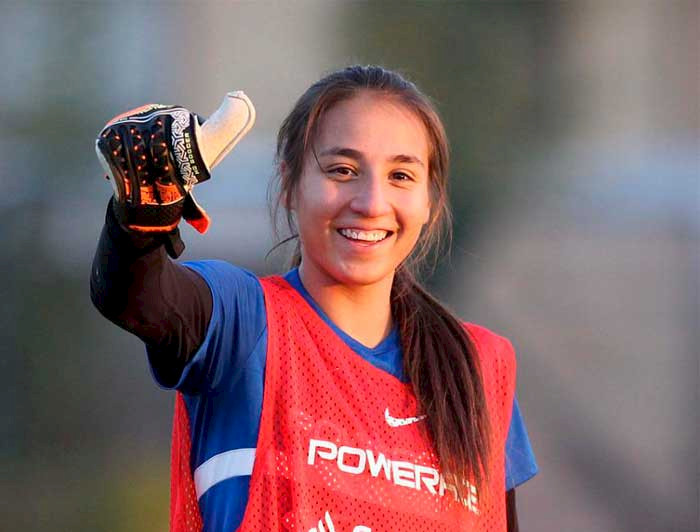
152 156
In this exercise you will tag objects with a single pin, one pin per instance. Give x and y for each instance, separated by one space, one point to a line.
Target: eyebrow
355 154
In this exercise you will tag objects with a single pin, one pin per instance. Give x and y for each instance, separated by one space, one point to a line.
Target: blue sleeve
238 320
520 460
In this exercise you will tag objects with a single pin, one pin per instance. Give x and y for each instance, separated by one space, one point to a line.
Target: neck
361 311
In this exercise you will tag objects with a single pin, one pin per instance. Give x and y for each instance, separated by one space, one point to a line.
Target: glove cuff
138 241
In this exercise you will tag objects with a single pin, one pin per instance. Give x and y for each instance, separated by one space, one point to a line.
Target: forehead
375 125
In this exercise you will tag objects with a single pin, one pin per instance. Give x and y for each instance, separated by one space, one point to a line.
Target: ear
288 202
428 215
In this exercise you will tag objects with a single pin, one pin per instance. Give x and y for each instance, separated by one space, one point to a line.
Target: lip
361 228
360 244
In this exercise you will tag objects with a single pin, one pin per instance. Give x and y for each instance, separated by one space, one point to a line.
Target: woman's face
362 201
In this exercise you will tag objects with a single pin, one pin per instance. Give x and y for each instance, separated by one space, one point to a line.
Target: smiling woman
341 396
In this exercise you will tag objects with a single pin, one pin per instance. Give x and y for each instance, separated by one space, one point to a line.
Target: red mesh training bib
340 447
184 508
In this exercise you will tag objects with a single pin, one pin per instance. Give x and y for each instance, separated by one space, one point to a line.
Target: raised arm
153 156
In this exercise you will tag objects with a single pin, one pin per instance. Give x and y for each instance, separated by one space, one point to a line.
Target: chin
362 275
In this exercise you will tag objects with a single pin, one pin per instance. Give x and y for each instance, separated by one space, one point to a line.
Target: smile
365 236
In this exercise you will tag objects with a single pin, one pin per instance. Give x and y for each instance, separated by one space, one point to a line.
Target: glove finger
112 154
225 128
136 160
167 188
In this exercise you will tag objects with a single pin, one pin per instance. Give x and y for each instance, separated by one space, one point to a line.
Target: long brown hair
440 359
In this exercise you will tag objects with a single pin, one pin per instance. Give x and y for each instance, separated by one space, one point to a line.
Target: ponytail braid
441 362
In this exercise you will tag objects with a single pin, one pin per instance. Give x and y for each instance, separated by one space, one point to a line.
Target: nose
371 198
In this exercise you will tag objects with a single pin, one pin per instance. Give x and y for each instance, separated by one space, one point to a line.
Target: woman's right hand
155 154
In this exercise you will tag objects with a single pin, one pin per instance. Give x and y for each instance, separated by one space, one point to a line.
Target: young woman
342 396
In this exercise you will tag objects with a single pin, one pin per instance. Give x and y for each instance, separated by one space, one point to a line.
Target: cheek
426 207
316 202
415 212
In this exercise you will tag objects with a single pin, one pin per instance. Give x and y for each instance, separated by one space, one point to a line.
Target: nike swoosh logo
401 421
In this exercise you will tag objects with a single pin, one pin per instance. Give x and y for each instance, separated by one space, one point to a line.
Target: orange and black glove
152 157
155 154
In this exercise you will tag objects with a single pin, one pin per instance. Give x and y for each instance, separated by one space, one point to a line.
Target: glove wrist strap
141 242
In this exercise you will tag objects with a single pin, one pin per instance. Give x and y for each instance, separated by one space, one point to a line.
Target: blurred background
576 189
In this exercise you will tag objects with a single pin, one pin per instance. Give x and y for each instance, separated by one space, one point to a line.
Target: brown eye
401 176
342 172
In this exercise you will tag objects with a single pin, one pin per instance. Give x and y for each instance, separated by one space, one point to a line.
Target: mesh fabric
184 509
341 445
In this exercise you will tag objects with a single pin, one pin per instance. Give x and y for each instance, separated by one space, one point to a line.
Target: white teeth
367 236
